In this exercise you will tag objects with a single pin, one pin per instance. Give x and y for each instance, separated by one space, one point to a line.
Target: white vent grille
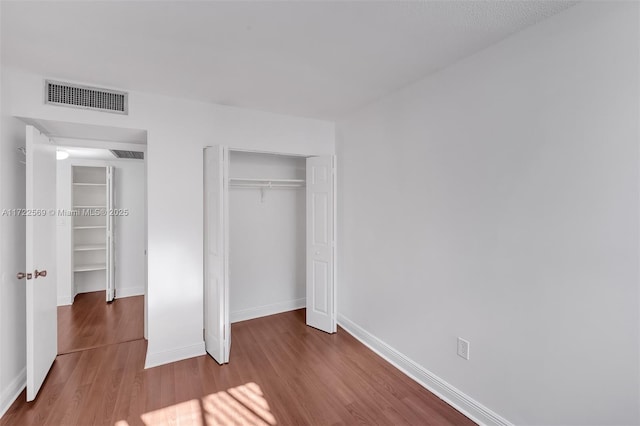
77 96
137 155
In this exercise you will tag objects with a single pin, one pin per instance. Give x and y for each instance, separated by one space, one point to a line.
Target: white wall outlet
463 348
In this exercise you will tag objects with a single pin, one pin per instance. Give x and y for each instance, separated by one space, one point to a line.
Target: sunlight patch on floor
185 413
244 405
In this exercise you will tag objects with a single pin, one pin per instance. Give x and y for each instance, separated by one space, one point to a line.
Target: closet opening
267 234
101 242
269 241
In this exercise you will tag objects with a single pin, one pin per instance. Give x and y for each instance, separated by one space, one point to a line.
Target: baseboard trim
11 392
172 355
65 301
263 311
129 292
452 396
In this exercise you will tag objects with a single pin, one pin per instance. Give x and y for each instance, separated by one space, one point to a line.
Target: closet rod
266 180
266 185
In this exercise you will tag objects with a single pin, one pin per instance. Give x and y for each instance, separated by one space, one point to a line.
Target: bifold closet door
320 243
111 260
217 325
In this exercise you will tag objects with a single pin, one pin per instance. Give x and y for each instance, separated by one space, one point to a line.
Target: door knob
40 273
21 275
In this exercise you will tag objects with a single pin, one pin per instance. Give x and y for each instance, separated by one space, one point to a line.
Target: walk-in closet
101 225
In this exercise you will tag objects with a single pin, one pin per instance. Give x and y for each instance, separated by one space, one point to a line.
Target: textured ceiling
314 59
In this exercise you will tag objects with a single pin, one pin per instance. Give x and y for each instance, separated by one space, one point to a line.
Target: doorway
100 230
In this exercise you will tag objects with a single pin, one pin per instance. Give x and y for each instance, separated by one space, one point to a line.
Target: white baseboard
173 355
65 301
263 311
129 291
454 397
12 391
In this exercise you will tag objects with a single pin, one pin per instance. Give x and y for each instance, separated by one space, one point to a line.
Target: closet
93 250
269 240
266 234
101 225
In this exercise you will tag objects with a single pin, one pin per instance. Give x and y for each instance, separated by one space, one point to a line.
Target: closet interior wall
267 234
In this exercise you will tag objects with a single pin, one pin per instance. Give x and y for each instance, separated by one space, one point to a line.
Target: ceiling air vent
136 155
77 96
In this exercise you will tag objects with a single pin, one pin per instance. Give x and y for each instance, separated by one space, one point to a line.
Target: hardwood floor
281 372
91 322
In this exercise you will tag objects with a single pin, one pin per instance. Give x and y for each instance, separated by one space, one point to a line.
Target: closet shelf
89 207
88 184
266 183
92 267
91 227
89 247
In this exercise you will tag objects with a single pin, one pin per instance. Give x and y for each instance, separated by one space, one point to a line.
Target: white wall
497 200
129 190
266 238
12 256
178 130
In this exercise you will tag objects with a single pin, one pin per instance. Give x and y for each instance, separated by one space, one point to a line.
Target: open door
40 274
217 325
320 243
111 264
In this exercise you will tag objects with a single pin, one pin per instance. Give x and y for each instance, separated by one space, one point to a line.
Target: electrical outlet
463 348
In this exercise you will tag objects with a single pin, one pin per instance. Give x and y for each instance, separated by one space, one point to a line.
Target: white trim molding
12 391
263 311
129 292
65 301
452 396
173 355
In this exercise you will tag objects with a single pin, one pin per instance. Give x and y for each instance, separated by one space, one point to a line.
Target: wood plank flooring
92 322
281 372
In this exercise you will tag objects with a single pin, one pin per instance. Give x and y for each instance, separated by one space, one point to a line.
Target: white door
111 263
217 326
320 243
42 325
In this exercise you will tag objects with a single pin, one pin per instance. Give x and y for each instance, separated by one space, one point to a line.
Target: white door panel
320 244
42 332
217 324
